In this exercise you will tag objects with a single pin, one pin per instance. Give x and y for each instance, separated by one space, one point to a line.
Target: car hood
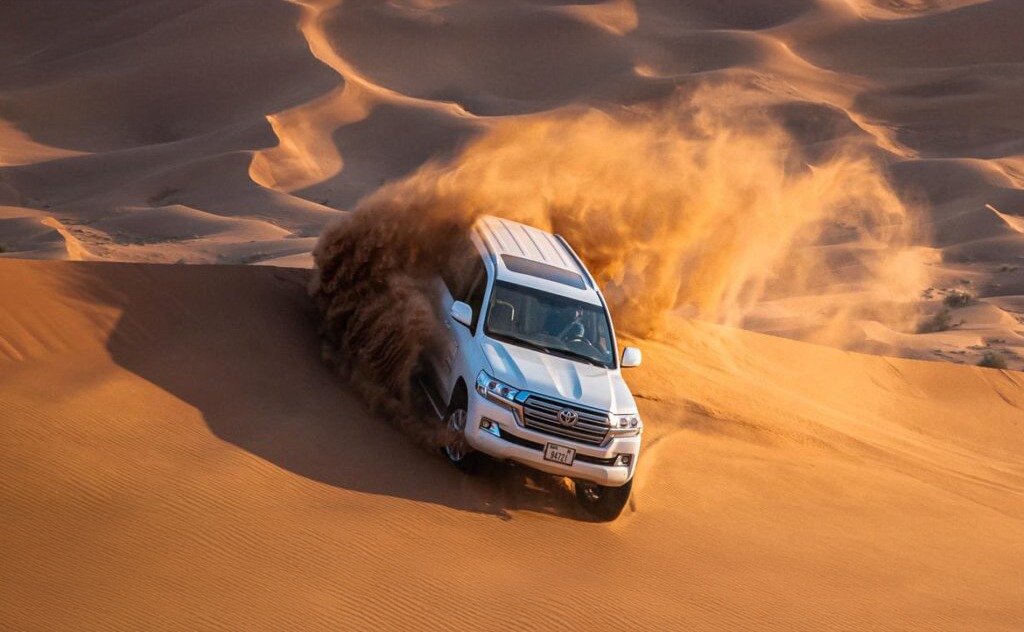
545 374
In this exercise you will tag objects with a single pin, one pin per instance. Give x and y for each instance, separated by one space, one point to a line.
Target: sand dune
172 461
299 110
174 454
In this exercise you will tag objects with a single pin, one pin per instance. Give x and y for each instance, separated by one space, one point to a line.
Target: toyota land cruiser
530 370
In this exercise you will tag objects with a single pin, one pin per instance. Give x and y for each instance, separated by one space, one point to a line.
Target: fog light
624 460
491 426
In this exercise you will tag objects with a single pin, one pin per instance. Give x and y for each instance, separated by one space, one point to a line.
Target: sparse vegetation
993 360
957 298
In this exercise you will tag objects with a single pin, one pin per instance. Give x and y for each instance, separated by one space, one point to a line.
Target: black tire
456 450
603 503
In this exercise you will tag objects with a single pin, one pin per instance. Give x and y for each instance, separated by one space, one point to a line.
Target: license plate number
559 454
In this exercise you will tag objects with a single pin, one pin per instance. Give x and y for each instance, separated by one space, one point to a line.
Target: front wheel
456 449
603 503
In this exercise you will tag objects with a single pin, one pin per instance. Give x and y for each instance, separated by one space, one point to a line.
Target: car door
442 357
463 279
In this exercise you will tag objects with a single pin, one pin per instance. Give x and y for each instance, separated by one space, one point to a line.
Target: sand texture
173 462
819 203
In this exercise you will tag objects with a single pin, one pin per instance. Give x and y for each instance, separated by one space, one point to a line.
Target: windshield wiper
565 353
577 356
522 342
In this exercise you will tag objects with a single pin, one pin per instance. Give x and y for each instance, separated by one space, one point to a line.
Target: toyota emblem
568 417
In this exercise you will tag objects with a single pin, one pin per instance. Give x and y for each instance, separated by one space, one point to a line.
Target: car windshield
550 323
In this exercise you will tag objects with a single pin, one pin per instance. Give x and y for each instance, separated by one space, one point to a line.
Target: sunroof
543 271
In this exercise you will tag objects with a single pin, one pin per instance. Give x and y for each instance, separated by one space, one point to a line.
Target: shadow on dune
240 345
389 144
113 75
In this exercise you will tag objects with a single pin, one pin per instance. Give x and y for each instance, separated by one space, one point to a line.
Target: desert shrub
957 298
941 321
993 360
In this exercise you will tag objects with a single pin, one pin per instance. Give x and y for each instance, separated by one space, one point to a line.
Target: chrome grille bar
541 414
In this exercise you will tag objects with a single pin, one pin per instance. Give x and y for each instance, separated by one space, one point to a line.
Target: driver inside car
575 329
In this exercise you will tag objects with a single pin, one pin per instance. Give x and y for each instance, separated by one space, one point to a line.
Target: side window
451 276
456 272
465 276
477 287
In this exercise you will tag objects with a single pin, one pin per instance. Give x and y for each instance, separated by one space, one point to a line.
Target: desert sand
172 463
174 454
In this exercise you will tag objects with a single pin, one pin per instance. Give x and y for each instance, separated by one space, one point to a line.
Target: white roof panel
520 240
504 237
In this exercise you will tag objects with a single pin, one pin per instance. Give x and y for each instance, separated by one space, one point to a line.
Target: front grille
533 445
541 414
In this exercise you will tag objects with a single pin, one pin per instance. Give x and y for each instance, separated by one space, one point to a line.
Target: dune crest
33 235
1015 223
306 153
18 148
618 17
902 9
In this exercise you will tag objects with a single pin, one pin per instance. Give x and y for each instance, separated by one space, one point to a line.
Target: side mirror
462 313
631 357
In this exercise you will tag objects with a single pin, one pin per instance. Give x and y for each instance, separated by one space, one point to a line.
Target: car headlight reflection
626 425
496 390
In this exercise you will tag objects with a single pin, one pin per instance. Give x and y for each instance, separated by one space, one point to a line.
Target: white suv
530 370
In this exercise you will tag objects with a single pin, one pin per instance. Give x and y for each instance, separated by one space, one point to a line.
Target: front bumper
526 446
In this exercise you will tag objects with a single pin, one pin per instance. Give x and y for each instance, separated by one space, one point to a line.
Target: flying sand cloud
680 208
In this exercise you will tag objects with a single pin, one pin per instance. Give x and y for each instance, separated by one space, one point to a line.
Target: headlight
626 425
495 390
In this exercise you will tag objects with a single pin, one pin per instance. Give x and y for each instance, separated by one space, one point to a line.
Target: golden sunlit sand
846 175
168 465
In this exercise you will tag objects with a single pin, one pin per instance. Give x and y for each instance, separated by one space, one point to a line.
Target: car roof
516 250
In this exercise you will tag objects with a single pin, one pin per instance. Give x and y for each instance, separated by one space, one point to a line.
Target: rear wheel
601 502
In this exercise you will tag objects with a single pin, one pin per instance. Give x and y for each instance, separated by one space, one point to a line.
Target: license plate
559 454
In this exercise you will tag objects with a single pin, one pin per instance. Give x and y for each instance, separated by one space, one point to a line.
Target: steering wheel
575 333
